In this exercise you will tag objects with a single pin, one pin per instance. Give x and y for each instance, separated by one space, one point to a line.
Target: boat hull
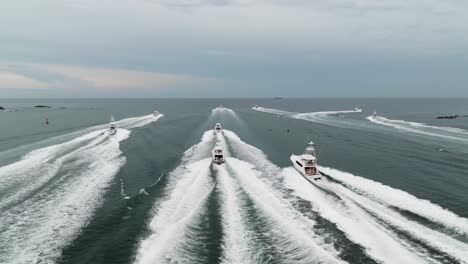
301 170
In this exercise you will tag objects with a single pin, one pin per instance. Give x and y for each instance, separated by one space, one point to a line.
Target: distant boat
217 128
374 115
113 127
218 155
46 121
156 113
306 163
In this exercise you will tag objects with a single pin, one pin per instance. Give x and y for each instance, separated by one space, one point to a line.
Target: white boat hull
301 170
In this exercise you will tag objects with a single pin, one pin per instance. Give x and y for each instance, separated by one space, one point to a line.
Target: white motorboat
113 127
156 113
218 154
306 163
374 115
255 107
217 128
357 109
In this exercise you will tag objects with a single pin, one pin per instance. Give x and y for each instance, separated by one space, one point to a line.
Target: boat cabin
218 156
310 164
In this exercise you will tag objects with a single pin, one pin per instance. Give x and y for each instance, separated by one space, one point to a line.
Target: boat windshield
310 170
309 162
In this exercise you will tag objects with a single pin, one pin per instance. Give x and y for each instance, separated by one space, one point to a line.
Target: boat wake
222 109
385 233
134 122
390 225
423 129
323 117
244 200
273 111
190 185
48 195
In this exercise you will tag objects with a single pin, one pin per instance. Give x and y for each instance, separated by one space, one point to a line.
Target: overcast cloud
216 48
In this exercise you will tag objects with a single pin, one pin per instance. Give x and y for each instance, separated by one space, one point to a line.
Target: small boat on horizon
306 163
218 154
218 128
113 126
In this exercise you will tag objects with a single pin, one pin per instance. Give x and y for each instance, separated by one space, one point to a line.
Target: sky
233 48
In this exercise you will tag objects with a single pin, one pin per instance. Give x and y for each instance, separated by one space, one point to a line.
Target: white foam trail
324 117
304 115
36 168
134 122
218 110
441 241
273 111
36 230
175 213
400 199
254 155
127 123
420 128
377 199
187 187
286 221
236 244
358 226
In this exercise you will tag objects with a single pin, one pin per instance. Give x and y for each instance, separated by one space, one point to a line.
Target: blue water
71 196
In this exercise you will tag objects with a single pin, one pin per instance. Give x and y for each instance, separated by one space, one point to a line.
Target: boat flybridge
218 154
306 163
156 113
217 128
113 127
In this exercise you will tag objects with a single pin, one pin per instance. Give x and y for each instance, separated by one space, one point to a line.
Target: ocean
394 190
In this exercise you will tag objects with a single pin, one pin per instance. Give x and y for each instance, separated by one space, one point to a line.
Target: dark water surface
396 191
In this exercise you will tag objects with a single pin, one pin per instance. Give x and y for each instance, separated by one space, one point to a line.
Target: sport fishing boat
113 127
217 128
218 155
156 113
306 163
